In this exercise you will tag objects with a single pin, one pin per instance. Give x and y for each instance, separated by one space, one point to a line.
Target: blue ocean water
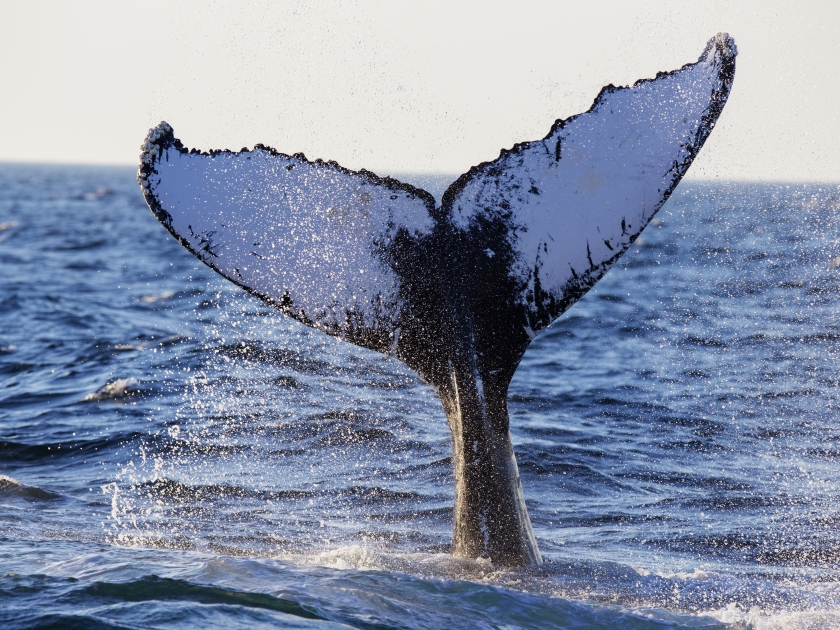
174 454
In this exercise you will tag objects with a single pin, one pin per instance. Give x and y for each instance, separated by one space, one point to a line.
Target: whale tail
457 291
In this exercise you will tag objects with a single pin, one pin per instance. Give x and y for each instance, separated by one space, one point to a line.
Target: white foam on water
157 297
115 389
364 558
8 482
756 618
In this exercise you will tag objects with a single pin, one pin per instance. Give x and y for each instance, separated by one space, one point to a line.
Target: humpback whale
455 290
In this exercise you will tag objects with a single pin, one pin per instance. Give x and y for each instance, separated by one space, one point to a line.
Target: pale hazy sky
404 87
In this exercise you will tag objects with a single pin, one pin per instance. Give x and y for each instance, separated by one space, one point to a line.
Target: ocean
175 454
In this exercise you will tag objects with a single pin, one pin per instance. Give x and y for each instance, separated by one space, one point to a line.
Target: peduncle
491 519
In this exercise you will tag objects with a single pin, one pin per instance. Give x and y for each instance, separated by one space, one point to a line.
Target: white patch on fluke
281 225
577 197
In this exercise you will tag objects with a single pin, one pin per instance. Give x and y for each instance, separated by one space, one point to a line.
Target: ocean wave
172 489
11 489
153 602
250 351
22 452
436 590
342 598
345 436
119 388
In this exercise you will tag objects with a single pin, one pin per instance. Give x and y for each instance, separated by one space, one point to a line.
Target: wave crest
119 388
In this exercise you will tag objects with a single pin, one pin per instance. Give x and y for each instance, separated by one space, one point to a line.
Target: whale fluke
457 291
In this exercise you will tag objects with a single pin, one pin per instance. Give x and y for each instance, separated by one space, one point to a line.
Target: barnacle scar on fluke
456 291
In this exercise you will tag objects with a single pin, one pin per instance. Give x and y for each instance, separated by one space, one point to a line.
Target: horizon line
397 174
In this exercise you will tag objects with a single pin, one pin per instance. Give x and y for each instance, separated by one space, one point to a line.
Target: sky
404 87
